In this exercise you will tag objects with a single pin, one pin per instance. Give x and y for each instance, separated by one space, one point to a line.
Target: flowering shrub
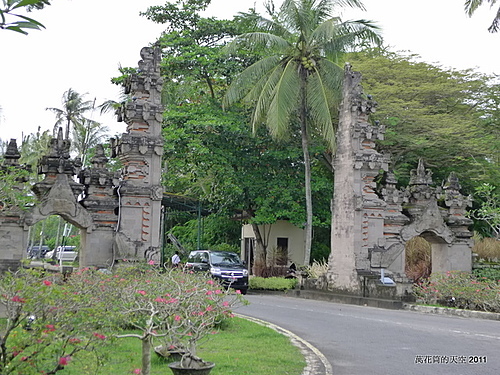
460 289
175 307
47 321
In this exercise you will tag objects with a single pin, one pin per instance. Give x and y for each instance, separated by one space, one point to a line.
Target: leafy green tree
213 156
472 5
15 193
22 22
72 112
489 210
449 118
194 63
33 147
298 82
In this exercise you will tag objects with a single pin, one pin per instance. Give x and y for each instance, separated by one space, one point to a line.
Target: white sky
85 41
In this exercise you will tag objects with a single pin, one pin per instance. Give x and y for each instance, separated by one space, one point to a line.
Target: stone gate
118 213
371 223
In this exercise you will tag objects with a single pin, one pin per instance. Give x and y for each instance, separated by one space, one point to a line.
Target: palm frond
471 6
256 41
320 107
284 103
265 96
242 85
343 34
495 25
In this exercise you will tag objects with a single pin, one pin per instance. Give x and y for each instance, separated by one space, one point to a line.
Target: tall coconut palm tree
86 135
472 5
73 108
298 82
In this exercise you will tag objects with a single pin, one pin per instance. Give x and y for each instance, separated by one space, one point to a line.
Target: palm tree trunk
307 167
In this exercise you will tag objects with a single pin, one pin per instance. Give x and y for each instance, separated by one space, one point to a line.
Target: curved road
361 340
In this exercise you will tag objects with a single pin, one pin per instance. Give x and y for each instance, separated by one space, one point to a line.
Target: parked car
37 251
222 265
64 253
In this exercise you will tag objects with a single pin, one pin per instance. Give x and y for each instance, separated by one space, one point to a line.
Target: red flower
99 336
63 361
50 328
142 292
18 299
47 282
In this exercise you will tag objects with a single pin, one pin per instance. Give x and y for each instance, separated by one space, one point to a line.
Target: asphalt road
360 340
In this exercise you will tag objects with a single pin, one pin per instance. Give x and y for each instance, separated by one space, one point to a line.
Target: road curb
316 362
452 312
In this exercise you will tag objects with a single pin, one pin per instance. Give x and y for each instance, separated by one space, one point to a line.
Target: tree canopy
449 118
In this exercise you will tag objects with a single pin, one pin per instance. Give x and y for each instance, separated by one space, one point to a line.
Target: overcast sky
86 40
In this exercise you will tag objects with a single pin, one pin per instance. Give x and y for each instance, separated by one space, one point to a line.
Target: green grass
242 347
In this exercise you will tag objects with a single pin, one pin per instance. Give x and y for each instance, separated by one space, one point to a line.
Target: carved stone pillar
101 202
140 151
357 212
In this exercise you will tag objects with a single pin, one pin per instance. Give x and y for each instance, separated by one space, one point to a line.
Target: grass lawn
242 347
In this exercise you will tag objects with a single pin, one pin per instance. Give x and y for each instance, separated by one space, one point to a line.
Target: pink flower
151 262
238 291
63 361
177 318
209 308
18 299
47 282
218 291
209 293
50 328
225 304
99 336
210 282
142 292
136 371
